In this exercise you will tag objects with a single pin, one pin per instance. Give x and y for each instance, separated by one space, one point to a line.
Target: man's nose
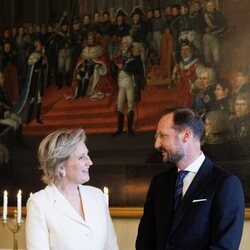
157 142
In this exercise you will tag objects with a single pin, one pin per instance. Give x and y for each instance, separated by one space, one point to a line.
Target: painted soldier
214 29
203 91
130 72
50 53
77 40
118 30
63 44
34 87
139 31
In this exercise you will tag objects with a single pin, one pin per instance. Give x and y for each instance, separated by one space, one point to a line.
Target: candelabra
13 226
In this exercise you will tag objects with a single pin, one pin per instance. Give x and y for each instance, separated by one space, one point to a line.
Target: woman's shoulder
92 191
41 194
36 198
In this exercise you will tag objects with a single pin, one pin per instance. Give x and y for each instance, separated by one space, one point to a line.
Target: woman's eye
83 157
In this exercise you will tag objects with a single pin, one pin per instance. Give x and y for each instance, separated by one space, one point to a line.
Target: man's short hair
225 84
210 71
184 117
128 39
243 97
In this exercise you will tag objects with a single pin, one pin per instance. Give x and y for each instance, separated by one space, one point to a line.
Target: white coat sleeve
37 233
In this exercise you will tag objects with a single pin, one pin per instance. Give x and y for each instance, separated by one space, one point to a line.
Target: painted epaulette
34 57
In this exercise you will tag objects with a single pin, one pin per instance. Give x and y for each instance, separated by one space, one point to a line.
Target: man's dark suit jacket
214 222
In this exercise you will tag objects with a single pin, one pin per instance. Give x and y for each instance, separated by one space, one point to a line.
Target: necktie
178 187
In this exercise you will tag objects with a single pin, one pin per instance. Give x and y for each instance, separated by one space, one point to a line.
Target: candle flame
5 193
19 194
105 190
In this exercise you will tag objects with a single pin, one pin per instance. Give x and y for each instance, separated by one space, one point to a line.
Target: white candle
106 195
5 205
31 194
19 206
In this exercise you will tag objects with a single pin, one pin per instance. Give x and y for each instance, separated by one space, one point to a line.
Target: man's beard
173 158
187 58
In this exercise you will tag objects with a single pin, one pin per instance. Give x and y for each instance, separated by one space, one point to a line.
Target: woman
66 215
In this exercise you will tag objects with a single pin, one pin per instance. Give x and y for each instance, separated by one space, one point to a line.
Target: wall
236 42
126 231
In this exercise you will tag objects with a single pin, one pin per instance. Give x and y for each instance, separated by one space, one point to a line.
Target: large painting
195 54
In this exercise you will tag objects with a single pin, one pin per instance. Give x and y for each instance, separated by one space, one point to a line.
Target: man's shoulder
217 171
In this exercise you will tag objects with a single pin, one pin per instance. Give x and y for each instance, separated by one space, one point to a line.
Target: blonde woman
66 215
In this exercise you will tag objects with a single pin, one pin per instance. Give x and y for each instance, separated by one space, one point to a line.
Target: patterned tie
178 187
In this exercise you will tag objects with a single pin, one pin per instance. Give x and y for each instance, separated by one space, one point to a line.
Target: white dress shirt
193 168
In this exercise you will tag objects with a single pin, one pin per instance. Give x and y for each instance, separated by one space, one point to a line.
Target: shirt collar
195 166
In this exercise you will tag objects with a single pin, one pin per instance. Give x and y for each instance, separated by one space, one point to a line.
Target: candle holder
13 227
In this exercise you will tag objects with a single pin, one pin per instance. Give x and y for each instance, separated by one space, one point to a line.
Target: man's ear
186 134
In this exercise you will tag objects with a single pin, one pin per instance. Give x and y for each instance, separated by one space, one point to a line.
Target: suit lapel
59 202
200 181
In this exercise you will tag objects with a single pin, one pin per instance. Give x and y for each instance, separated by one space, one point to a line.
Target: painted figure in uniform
64 52
215 27
130 71
31 97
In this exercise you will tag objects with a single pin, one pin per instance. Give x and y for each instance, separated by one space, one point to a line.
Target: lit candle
106 195
31 194
19 206
5 205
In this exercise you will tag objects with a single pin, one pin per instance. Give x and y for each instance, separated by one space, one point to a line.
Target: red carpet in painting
98 116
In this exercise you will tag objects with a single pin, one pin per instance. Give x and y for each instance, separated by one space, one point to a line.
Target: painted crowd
119 54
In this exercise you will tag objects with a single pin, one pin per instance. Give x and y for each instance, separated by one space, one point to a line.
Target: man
223 97
157 29
215 26
184 74
33 91
77 40
92 73
198 23
217 142
129 78
63 43
207 211
118 30
49 39
242 80
203 91
240 124
139 32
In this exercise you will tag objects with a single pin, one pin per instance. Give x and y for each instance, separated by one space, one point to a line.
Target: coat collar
59 203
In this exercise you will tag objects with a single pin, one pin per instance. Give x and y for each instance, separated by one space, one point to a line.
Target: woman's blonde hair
57 148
